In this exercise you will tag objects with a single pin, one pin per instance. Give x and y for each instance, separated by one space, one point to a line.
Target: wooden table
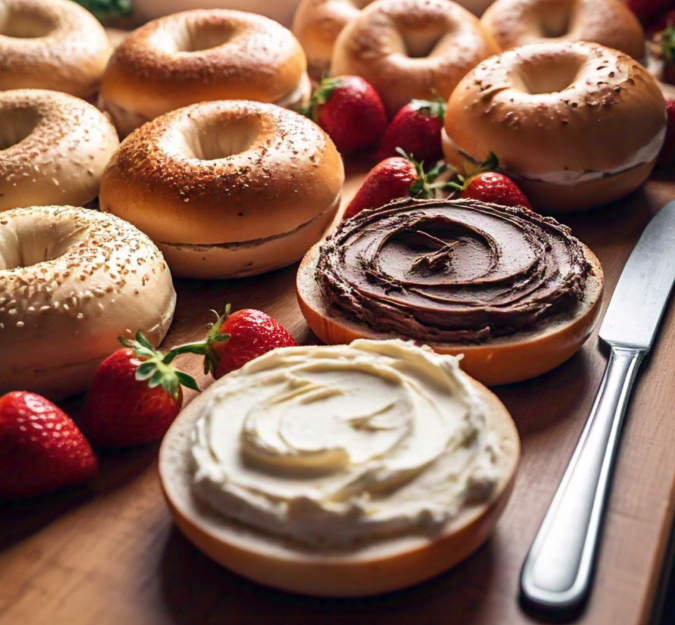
109 554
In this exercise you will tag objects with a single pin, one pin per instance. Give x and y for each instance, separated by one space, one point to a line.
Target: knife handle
557 572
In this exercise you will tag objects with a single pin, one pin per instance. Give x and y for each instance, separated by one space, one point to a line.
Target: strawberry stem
205 347
435 108
156 367
320 96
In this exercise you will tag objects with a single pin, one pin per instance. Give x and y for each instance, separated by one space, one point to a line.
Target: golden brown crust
202 55
611 23
411 48
381 567
600 108
499 361
51 44
229 174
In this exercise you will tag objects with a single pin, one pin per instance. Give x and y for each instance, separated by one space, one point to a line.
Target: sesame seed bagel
227 189
201 55
53 149
611 23
577 125
72 281
51 44
411 49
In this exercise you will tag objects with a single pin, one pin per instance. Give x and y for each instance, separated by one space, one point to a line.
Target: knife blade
557 572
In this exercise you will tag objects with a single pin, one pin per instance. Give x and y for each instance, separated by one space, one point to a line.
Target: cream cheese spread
330 446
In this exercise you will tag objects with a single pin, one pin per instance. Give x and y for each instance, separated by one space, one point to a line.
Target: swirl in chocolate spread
452 271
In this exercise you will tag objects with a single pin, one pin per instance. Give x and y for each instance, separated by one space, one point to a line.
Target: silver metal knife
557 572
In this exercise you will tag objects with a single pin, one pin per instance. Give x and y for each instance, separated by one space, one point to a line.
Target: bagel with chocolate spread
575 125
512 291
341 471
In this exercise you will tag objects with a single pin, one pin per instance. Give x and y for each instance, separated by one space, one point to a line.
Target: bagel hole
16 124
216 140
200 37
24 24
556 21
38 238
420 44
547 74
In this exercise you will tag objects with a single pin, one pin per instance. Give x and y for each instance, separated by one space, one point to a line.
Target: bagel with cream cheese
341 471
411 49
576 125
610 23
198 56
53 149
317 24
512 291
227 189
72 281
51 44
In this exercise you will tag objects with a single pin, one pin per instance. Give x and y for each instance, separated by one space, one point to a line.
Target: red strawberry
41 448
416 128
490 186
667 154
349 109
237 338
393 178
135 396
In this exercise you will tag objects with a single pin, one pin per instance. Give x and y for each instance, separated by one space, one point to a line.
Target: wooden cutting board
110 554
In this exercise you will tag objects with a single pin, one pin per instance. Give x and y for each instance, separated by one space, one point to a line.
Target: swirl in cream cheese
451 271
332 446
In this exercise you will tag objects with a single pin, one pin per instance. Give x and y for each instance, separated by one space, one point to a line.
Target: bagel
53 149
576 125
341 471
411 49
71 282
610 23
198 56
227 189
513 292
317 24
51 44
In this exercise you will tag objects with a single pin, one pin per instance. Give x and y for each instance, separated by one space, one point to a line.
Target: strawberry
349 109
393 178
646 10
237 338
490 186
416 129
135 396
667 154
41 448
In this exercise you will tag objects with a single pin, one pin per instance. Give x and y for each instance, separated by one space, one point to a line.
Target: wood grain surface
109 553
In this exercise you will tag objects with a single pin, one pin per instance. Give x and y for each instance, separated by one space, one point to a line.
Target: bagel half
379 565
524 354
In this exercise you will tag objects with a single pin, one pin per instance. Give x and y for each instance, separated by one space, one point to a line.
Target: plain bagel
227 189
611 23
317 24
202 55
411 49
51 44
72 281
53 149
577 125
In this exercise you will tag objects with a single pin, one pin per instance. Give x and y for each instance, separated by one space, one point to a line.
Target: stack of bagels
190 134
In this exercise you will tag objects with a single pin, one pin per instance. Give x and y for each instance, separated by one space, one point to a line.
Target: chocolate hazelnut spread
452 270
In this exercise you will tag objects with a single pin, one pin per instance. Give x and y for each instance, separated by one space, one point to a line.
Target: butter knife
557 572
